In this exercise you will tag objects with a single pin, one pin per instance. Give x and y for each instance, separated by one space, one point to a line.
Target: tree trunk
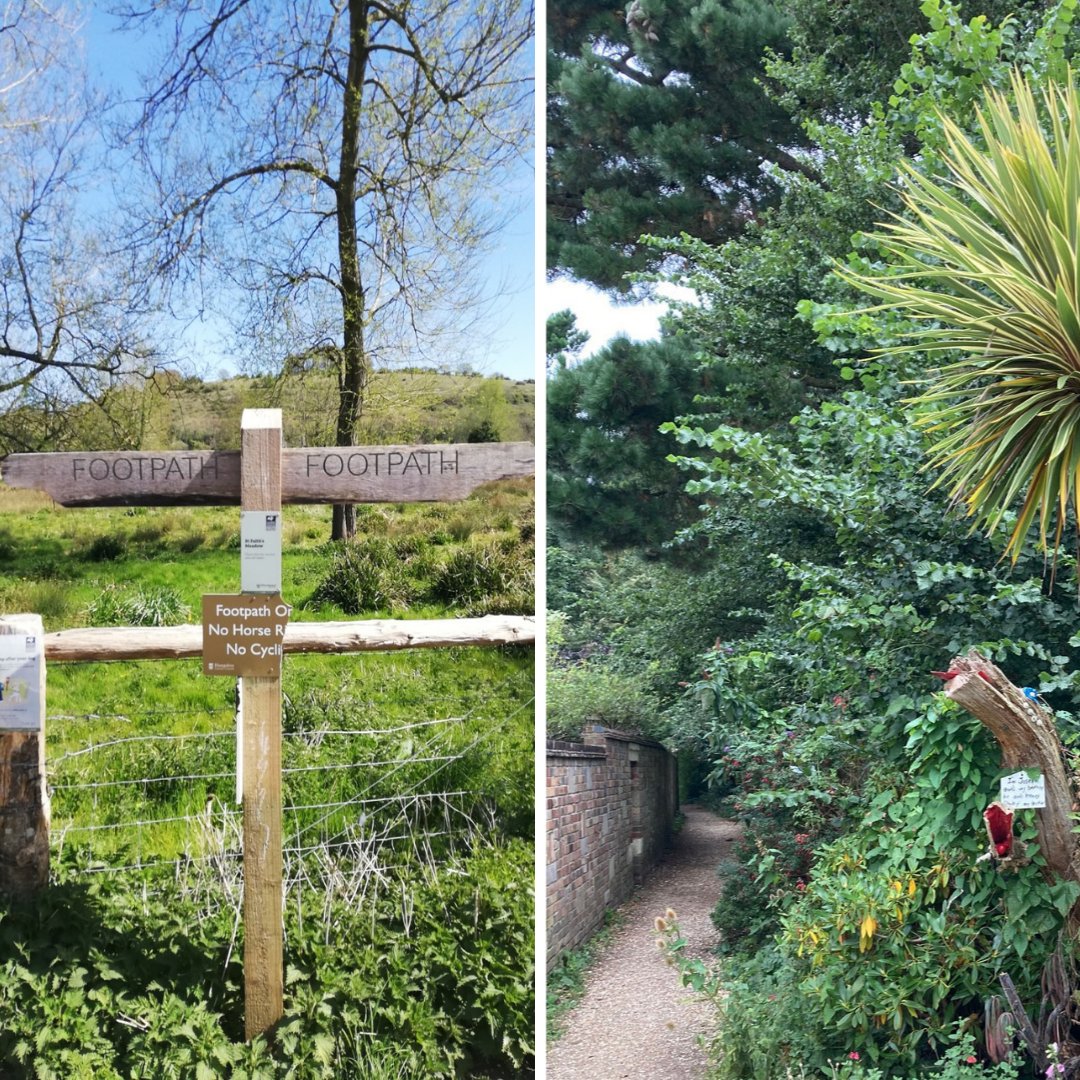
353 367
1028 739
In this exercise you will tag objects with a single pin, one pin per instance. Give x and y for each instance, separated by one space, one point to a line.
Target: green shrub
479 571
901 932
366 575
146 534
767 1025
106 548
588 693
116 606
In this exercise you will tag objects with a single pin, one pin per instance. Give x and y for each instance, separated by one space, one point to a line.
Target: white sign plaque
21 648
260 551
1020 792
239 742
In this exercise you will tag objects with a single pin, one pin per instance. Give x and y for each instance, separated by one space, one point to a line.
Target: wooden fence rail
24 799
378 635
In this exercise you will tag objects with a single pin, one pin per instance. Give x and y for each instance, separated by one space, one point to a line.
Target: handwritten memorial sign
1019 791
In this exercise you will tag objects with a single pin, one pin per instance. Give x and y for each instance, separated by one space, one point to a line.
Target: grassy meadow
171 412
407 790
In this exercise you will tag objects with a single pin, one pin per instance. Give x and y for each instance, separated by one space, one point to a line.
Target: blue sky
508 347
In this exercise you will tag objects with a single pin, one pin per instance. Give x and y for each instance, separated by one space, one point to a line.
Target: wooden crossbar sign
353 474
260 477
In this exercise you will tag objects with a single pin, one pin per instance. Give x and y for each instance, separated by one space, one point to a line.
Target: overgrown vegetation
408 822
566 977
174 413
791 632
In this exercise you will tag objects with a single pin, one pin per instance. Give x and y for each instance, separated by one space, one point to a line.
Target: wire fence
162 804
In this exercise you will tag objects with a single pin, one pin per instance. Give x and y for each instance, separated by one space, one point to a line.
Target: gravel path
635 1019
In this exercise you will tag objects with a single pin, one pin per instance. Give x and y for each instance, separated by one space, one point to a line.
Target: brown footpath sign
243 634
327 474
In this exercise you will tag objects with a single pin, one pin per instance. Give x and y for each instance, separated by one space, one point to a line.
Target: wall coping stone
559 748
622 736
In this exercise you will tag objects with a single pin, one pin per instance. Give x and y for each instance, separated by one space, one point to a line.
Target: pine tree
609 482
658 123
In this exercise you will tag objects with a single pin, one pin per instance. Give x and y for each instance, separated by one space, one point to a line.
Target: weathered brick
597 807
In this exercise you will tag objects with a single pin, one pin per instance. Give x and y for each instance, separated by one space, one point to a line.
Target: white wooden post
260 489
24 799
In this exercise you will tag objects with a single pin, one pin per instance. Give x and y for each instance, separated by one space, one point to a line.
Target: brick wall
611 804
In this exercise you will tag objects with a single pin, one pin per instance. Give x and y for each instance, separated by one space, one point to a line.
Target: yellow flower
866 932
911 887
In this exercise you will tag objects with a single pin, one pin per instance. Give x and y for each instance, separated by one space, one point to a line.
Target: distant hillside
174 413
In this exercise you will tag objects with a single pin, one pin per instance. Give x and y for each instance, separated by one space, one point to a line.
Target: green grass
48 563
436 778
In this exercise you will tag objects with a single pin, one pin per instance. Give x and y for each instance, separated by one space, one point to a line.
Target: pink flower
971 1059
854 1055
800 885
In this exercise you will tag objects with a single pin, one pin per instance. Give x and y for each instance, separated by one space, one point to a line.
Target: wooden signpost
260 477
355 474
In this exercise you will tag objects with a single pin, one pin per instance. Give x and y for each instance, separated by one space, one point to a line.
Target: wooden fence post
24 799
260 489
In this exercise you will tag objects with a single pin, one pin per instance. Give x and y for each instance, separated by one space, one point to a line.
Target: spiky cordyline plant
986 262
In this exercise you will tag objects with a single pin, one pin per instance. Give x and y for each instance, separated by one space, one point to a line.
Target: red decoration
999 825
984 676
946 675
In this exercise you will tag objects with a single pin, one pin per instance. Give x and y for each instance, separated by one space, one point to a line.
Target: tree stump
1028 739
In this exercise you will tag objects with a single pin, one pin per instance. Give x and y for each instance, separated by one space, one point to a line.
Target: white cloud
602 319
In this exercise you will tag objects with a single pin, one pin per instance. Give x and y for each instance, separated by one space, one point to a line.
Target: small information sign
1020 791
243 634
21 649
260 551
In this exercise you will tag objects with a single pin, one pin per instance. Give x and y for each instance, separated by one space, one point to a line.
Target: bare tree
68 326
326 174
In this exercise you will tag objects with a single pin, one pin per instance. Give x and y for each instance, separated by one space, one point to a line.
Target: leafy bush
105 981
485 577
116 606
366 575
588 693
106 548
767 1025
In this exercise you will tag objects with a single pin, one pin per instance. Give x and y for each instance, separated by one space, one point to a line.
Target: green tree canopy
564 339
658 123
608 478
